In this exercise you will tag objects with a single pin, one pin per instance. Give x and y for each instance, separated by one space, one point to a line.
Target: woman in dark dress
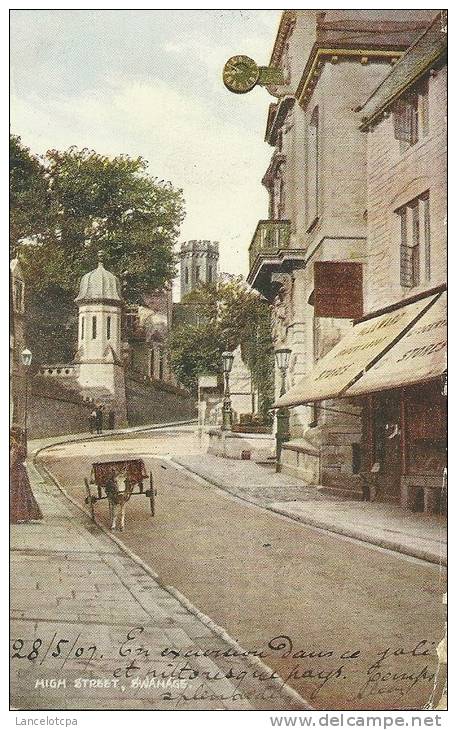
23 506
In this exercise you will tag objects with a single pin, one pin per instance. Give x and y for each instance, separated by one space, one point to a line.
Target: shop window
356 458
411 116
415 241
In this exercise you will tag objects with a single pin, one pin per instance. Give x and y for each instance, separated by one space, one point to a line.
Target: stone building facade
405 121
317 181
388 365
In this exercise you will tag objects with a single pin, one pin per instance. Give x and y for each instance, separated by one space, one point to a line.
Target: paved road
346 624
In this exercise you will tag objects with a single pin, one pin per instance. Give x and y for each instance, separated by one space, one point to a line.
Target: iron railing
270 237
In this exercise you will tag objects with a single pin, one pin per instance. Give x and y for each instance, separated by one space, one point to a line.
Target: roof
99 285
418 58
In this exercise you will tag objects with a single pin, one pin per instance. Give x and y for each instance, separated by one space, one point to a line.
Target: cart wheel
151 494
90 499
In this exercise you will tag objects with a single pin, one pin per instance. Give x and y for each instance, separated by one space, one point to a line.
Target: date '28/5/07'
60 649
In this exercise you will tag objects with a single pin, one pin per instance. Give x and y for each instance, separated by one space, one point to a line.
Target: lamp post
26 358
282 414
227 415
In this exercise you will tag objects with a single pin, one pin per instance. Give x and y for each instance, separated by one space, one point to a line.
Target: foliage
230 314
29 201
91 203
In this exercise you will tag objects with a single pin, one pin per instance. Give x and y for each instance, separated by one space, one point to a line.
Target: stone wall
55 410
157 402
395 177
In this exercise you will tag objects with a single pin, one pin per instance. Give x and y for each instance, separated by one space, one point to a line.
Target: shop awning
355 354
419 356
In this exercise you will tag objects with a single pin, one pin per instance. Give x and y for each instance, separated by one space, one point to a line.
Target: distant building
199 264
146 329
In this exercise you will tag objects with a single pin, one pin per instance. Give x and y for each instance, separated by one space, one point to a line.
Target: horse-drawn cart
107 476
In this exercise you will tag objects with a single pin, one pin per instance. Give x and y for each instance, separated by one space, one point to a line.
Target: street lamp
227 415
26 358
282 414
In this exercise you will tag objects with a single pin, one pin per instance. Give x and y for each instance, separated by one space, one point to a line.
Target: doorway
387 446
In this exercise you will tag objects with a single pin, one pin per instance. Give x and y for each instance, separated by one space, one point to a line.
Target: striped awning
353 357
420 355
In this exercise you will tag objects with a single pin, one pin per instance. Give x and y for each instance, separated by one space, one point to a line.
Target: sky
148 82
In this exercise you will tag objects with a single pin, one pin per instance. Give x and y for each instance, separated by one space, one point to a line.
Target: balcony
270 237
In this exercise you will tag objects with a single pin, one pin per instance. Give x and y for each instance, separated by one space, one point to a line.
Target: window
277 194
161 363
94 328
197 273
210 274
314 416
151 363
186 275
82 327
108 328
411 116
415 241
312 168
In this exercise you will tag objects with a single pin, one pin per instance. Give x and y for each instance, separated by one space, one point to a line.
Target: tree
230 315
29 201
92 202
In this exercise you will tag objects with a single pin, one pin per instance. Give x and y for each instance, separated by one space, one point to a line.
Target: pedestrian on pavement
92 420
99 418
111 420
23 505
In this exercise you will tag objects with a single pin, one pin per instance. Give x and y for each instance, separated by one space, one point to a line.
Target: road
346 624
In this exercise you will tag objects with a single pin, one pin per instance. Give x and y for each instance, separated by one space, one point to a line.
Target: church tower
101 371
199 264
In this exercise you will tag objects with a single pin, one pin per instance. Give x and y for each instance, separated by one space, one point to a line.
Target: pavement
271 581
92 627
385 525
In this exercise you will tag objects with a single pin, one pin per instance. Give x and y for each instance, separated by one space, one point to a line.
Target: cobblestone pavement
90 627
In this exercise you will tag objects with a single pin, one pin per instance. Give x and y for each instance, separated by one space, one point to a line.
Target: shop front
393 364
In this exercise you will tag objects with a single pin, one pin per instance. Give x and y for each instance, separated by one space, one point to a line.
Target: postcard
228 328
